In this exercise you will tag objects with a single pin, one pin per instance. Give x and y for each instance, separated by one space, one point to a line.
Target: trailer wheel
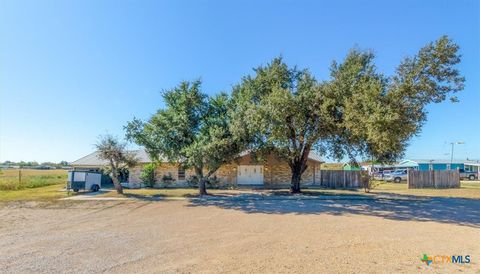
397 179
75 190
95 188
471 177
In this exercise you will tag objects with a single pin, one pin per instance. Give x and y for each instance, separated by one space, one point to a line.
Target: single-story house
431 164
243 171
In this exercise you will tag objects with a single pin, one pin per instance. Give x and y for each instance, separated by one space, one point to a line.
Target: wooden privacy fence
341 178
433 179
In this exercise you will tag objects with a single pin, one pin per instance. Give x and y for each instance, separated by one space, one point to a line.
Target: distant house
244 170
376 168
431 164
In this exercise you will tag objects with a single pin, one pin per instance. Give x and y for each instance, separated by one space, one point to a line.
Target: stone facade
276 173
164 169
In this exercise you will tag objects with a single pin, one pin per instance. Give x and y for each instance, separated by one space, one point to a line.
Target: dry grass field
16 179
468 189
31 184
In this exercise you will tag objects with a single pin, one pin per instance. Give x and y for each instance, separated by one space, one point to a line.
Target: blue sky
73 70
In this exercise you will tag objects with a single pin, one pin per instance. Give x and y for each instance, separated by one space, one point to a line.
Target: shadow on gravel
443 210
155 197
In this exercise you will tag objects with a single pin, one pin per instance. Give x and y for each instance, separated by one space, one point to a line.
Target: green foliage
167 179
279 110
358 112
211 182
192 181
193 130
115 153
36 165
377 115
148 174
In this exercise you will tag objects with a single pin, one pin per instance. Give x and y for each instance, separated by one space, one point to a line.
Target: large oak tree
357 112
192 130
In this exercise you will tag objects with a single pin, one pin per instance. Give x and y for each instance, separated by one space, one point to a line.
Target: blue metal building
431 164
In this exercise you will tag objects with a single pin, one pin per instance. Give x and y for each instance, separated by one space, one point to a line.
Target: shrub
192 181
213 182
148 175
167 179
368 182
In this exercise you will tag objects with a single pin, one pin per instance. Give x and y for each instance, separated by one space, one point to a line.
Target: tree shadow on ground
443 210
148 198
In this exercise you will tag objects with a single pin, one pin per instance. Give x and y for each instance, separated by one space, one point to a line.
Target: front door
250 175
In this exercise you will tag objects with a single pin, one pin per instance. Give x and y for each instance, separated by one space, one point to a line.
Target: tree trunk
296 178
202 188
116 183
298 166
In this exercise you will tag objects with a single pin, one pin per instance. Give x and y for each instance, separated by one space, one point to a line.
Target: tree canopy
357 112
377 115
192 130
115 152
280 110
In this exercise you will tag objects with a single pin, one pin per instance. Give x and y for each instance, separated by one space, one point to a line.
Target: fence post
19 176
408 177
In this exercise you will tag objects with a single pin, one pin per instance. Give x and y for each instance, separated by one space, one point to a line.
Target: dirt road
261 236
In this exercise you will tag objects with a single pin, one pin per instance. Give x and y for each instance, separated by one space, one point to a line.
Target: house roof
311 156
435 161
472 163
315 157
92 159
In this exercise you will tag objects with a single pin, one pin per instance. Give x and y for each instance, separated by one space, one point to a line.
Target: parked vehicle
397 176
471 175
86 180
380 175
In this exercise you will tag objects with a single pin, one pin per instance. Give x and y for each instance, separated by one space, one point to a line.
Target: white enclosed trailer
86 180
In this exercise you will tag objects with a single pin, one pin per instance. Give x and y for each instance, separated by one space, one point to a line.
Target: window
181 173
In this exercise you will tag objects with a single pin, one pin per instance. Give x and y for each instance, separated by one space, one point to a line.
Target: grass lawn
468 189
16 179
51 192
34 185
166 192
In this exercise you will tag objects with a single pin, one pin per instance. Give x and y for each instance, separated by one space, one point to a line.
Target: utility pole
451 155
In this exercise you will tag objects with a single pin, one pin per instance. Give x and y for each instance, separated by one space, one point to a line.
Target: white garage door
250 175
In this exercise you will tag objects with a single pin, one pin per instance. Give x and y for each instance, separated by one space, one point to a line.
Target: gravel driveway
235 235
